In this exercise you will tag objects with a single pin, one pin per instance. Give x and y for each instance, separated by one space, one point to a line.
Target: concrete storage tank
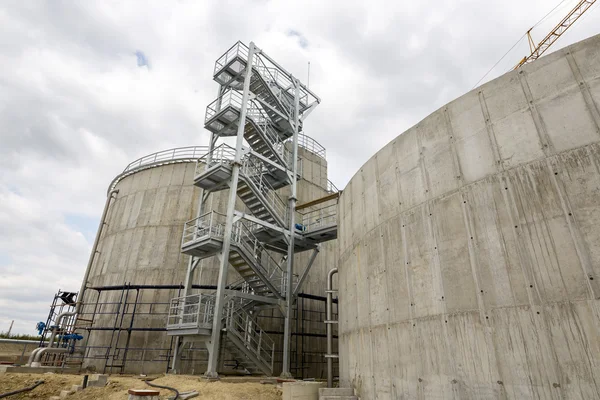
138 267
469 250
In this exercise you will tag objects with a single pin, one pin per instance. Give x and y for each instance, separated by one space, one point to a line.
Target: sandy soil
118 385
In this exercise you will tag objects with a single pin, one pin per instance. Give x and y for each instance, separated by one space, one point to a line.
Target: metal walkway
262 106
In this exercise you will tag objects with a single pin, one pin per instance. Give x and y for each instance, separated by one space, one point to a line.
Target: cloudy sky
87 87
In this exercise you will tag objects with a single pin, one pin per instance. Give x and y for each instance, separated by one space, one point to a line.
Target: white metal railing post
199 307
259 343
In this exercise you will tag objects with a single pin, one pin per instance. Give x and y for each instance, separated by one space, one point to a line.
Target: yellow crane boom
557 32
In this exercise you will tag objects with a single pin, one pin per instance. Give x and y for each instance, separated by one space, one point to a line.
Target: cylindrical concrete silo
468 246
141 246
139 258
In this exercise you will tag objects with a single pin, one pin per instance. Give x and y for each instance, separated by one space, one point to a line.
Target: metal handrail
254 114
331 188
211 225
170 156
191 311
222 154
254 170
255 339
319 218
238 48
310 144
208 225
243 236
269 71
178 153
231 97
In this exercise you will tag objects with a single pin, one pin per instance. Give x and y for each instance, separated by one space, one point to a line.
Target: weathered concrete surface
469 245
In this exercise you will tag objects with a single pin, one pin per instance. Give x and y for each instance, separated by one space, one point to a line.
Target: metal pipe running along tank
330 356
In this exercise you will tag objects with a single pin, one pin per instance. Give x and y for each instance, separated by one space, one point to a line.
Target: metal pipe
32 355
27 389
328 323
39 354
58 322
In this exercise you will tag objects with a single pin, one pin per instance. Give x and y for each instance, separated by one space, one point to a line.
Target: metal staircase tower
263 107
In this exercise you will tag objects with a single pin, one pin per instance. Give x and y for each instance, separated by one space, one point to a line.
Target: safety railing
209 225
243 236
254 114
310 144
270 71
196 310
238 49
254 170
176 155
256 340
331 188
231 98
222 154
318 219
180 153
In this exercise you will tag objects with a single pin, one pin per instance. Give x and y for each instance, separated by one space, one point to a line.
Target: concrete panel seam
457 170
522 252
503 246
424 173
490 130
435 264
537 119
407 273
578 242
468 221
585 91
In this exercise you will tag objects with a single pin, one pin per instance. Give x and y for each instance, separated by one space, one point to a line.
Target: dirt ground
228 389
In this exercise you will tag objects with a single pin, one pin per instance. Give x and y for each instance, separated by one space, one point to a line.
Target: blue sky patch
142 60
81 223
302 40
4 259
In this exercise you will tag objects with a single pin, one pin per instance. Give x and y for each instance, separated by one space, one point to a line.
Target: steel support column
287 331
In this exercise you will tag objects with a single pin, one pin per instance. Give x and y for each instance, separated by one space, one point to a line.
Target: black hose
165 387
27 389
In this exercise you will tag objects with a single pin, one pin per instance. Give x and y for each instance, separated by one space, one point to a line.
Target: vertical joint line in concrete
407 273
473 259
537 119
578 242
490 131
435 265
424 173
585 91
457 170
522 252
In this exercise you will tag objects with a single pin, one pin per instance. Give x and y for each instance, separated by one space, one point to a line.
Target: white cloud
76 108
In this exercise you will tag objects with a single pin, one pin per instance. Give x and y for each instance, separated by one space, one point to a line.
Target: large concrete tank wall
469 247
